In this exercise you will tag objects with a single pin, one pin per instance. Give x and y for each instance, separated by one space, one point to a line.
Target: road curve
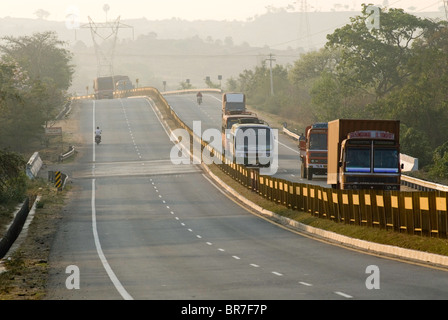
209 113
139 227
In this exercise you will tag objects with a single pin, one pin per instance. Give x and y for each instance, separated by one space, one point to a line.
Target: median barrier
416 213
419 213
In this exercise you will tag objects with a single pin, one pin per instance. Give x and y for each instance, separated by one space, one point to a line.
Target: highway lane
139 227
209 114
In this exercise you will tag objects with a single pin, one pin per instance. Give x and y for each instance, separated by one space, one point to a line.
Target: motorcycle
97 139
199 100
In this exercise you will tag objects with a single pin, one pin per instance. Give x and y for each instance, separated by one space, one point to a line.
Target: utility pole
271 59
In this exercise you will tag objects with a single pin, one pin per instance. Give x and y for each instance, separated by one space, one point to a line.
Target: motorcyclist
98 132
199 96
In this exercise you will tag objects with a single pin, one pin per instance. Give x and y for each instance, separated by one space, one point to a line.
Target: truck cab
370 160
313 151
231 119
252 144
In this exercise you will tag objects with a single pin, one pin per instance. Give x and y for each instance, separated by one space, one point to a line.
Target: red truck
313 151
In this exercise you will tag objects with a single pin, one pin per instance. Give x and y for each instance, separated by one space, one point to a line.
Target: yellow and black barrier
58 180
418 213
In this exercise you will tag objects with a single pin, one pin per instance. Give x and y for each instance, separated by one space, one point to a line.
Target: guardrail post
441 206
326 193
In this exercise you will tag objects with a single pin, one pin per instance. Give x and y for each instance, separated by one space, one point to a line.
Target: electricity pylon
104 36
445 3
304 24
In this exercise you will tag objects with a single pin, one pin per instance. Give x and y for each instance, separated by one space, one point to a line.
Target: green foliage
257 86
416 143
34 75
376 60
184 85
439 170
13 180
399 71
42 57
212 85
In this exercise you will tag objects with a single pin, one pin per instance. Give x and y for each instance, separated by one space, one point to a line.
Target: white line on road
305 284
99 250
254 265
342 294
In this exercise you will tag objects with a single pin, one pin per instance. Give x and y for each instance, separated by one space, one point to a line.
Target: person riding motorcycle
199 97
98 132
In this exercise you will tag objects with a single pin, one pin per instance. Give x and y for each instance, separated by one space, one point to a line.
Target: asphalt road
139 227
209 114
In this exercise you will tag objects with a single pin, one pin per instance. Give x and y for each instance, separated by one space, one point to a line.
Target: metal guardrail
419 213
422 185
68 154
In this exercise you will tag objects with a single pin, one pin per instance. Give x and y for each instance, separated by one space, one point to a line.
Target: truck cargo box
233 103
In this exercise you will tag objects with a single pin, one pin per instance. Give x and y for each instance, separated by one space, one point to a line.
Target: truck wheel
310 174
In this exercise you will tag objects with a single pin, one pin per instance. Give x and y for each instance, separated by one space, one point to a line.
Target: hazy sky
185 9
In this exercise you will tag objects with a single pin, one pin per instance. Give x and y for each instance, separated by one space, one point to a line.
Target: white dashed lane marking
276 273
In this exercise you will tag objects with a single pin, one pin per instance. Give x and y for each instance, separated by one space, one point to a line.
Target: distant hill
174 50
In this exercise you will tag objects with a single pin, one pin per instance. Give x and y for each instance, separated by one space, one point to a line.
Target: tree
439 170
421 102
42 56
376 60
12 177
313 86
312 65
42 14
34 76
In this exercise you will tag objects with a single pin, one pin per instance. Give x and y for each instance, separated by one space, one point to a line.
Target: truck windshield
253 139
318 141
232 121
385 160
357 160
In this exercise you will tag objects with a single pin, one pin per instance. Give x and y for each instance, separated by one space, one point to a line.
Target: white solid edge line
99 250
